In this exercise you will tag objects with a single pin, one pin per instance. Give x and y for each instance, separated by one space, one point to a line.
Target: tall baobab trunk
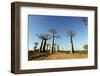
43 38
55 50
41 46
58 48
71 44
53 35
52 46
44 45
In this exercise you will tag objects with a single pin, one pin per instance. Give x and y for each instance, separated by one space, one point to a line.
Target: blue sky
62 24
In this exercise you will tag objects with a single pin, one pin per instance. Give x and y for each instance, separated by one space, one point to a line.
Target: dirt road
60 55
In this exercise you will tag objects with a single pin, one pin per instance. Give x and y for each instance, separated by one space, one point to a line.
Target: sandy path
60 55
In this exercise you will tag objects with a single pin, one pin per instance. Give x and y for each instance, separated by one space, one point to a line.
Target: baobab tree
71 34
35 46
58 48
41 36
53 36
55 47
44 38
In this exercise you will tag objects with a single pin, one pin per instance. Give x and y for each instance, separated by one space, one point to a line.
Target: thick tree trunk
71 45
41 46
44 45
55 48
52 46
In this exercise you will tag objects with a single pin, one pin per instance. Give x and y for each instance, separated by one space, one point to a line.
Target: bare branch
72 33
43 36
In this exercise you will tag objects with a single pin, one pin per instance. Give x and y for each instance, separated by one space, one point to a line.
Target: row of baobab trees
53 35
54 47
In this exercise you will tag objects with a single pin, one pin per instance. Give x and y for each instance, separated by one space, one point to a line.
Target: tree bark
71 45
44 45
52 46
41 46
